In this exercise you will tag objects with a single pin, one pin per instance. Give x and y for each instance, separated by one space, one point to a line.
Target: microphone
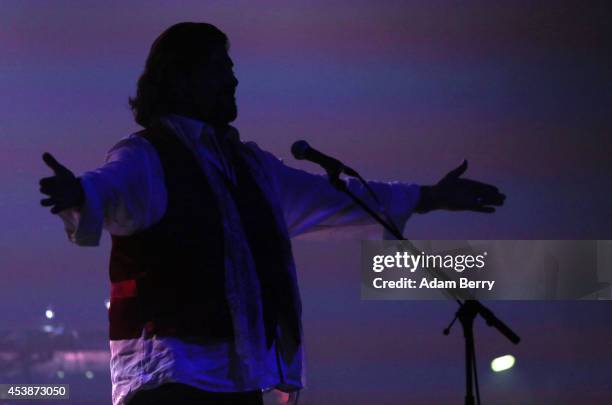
301 150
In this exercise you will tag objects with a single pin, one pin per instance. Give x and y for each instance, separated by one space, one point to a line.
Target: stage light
107 303
60 374
49 314
89 374
503 363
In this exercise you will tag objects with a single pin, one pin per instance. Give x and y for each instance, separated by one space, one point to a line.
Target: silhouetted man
205 306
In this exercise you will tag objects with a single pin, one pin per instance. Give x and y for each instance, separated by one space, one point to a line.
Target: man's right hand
64 189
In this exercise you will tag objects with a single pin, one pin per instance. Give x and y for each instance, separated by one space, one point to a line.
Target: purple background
400 89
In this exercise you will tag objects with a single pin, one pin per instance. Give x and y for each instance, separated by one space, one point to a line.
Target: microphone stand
468 310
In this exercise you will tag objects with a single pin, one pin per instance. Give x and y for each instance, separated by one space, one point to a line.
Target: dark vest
169 279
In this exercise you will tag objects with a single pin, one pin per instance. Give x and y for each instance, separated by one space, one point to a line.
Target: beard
231 111
224 111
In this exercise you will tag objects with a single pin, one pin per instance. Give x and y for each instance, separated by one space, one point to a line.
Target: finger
485 191
47 202
52 162
495 199
477 186
48 189
58 208
498 199
48 181
455 173
484 209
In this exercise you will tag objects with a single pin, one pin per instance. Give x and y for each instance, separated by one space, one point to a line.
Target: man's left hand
457 194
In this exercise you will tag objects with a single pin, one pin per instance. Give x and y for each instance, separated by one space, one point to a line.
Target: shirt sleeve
124 195
311 204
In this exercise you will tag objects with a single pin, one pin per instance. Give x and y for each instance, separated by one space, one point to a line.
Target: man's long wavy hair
166 85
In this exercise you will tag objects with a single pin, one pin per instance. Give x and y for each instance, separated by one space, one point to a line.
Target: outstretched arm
124 195
311 204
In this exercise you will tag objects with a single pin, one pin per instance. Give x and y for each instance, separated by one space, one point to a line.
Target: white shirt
127 194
